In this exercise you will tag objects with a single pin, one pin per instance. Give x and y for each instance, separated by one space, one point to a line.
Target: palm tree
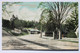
59 10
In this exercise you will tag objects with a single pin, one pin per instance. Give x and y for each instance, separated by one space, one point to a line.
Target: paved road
34 42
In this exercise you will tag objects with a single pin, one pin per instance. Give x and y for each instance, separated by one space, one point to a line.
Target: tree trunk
53 34
41 31
60 36
59 31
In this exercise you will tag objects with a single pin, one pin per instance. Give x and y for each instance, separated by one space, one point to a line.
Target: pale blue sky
30 5
25 11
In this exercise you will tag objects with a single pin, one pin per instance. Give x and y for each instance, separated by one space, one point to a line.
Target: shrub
5 23
71 34
16 34
19 34
48 33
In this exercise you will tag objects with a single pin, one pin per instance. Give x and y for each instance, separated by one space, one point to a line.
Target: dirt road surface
34 42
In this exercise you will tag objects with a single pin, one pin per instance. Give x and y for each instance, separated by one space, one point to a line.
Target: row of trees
16 23
54 14
53 17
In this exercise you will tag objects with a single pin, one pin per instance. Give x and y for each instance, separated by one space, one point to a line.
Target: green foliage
24 33
74 17
6 29
47 20
19 34
74 4
71 34
69 41
50 25
72 22
16 34
20 24
17 23
5 23
70 25
49 33
56 11
44 16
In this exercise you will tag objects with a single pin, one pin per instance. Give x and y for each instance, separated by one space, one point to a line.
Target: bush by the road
50 34
71 34
19 34
5 23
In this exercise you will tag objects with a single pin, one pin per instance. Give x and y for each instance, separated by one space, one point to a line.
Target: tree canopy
59 12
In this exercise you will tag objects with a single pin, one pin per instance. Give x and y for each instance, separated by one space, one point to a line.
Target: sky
25 10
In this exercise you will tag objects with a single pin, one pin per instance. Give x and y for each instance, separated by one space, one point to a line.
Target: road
34 42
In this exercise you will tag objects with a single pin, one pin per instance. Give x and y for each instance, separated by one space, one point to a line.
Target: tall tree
59 10
43 20
75 15
72 22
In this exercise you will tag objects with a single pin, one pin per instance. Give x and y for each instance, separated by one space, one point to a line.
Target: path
34 42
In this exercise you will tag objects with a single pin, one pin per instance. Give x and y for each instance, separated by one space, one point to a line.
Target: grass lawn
6 29
16 34
21 34
69 41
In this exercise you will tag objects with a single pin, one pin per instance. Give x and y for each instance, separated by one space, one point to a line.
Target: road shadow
51 48
40 44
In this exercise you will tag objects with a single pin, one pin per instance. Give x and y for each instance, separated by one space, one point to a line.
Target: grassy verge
6 29
69 41
15 34
21 34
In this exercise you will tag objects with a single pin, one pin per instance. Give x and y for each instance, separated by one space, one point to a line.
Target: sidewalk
48 42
